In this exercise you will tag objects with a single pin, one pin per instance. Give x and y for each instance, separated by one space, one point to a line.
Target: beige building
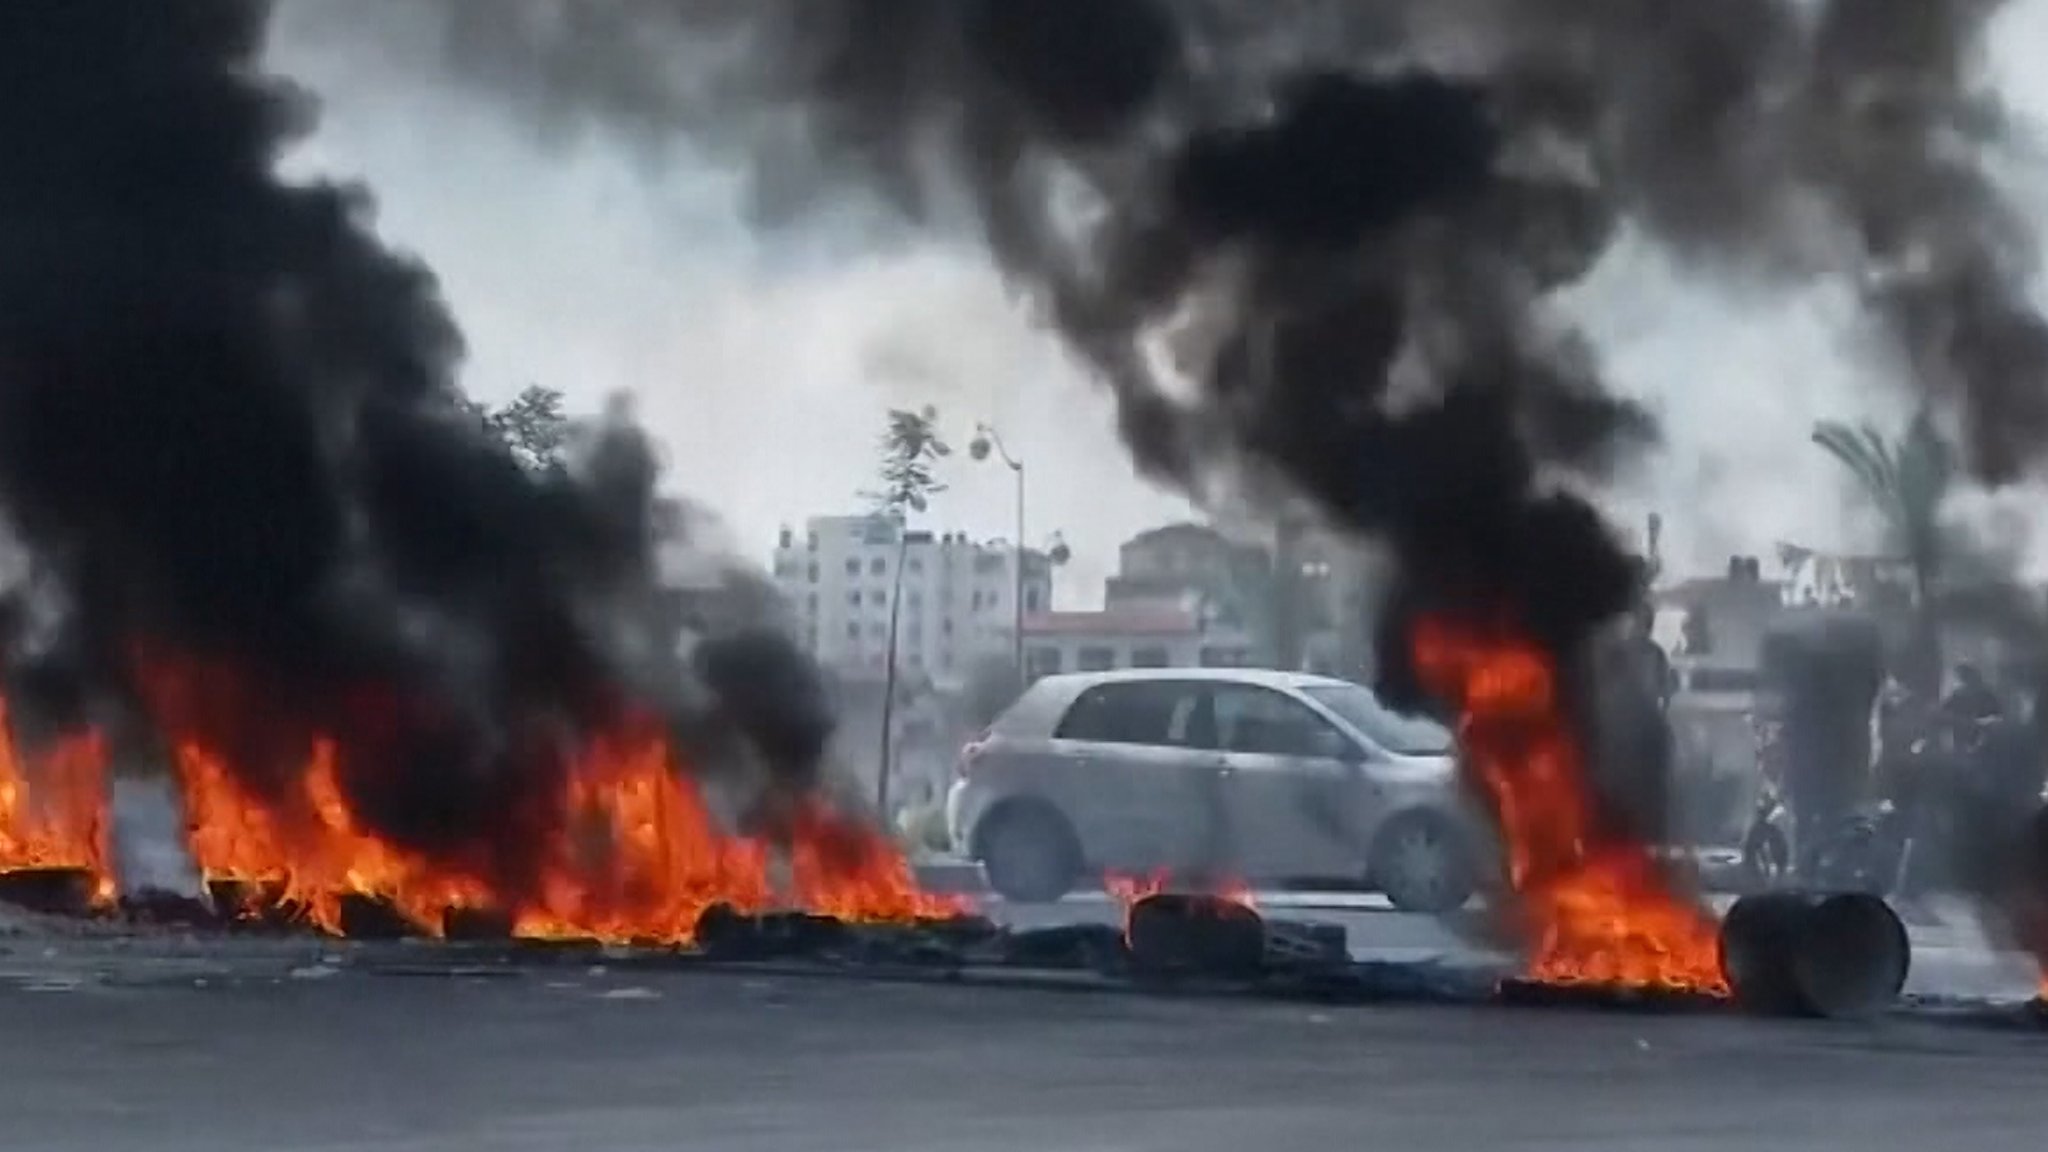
1161 633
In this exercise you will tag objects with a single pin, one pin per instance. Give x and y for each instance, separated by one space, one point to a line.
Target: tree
533 425
1909 480
911 448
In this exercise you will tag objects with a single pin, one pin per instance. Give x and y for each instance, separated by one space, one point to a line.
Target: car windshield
1407 735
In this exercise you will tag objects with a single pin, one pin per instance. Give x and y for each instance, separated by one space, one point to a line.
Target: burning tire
1029 853
1421 862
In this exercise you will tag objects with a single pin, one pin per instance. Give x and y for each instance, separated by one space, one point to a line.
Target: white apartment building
959 596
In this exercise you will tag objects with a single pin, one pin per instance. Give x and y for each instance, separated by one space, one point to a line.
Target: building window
878 598
811 541
946 626
975 604
853 598
853 631
814 572
915 567
811 605
1219 658
788 539
853 567
1095 659
1151 658
1032 600
877 567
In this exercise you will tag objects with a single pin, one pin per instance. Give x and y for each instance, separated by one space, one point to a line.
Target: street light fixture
987 442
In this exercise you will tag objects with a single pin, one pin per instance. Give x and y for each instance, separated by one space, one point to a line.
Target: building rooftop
1169 619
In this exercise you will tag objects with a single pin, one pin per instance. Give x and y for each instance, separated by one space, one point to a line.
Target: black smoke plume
1345 252
232 445
1353 215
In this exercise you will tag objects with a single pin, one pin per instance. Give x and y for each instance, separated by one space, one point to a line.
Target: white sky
766 371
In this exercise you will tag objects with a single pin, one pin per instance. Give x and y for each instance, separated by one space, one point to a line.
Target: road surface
270 1050
128 1042
204 1044
1951 956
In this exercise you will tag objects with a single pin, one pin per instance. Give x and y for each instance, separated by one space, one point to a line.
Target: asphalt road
265 1053
1951 955
204 1044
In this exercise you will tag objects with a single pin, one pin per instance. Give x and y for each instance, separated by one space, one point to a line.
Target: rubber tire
1029 854
1407 895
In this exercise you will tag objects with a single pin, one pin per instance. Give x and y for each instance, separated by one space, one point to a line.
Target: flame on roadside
1596 908
629 852
1127 889
632 855
54 810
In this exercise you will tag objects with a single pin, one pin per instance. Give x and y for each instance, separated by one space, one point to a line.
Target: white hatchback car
1261 776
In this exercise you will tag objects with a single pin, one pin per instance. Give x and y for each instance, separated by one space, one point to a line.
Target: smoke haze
1372 253
232 446
668 265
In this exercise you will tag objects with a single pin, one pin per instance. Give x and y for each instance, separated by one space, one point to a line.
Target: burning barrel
1830 955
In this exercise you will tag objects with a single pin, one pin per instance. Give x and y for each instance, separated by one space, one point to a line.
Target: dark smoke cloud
1360 210
231 438
1353 251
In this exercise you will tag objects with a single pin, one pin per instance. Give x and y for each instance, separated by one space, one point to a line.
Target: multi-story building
1165 633
958 596
1292 596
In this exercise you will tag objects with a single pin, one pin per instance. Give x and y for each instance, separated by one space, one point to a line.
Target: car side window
1265 722
1159 713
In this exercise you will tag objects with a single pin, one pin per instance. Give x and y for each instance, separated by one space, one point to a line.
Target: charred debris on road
1832 956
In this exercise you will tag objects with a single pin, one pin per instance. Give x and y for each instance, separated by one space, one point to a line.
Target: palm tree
1908 479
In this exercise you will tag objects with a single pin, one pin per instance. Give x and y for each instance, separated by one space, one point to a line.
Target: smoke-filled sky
765 364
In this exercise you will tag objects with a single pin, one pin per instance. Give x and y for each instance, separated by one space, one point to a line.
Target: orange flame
1598 908
1127 890
631 853
305 853
54 807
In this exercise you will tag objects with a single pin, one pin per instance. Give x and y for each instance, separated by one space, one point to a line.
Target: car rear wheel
1421 864
1030 855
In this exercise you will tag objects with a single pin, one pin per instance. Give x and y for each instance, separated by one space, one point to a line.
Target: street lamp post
985 443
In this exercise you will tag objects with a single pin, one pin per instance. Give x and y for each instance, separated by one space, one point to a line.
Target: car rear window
1146 712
